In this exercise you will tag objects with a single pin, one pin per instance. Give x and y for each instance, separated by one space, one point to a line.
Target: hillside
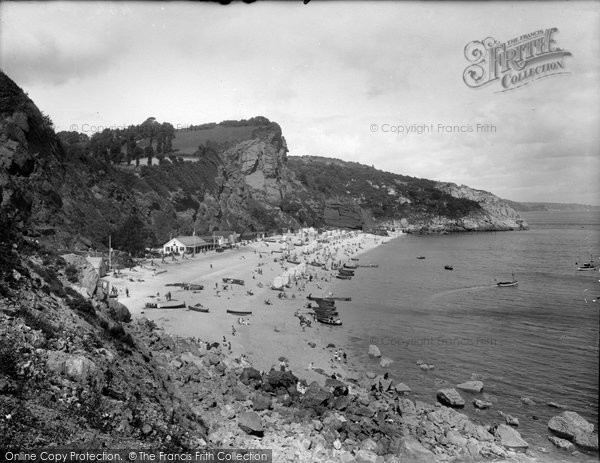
353 194
73 192
537 206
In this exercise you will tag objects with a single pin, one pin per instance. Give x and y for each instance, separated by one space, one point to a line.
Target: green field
187 140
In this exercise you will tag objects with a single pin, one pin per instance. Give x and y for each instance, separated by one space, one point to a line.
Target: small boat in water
343 277
448 267
508 283
421 257
350 265
239 312
369 265
355 259
343 271
586 266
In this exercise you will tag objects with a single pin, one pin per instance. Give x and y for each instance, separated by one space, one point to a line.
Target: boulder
89 280
261 402
481 404
118 311
450 397
251 423
281 379
385 362
569 424
555 405
336 387
561 443
411 450
471 386
509 437
374 351
511 420
250 375
76 367
588 440
402 388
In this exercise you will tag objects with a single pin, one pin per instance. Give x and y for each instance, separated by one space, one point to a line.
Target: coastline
273 330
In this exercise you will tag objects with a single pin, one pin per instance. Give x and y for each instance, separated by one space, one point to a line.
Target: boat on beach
508 283
171 305
350 265
355 259
343 271
239 312
330 321
199 308
233 281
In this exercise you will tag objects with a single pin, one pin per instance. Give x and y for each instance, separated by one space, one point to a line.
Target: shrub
72 273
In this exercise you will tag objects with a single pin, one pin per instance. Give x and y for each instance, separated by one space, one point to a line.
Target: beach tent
277 283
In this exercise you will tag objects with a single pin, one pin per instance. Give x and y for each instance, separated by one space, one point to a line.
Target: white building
186 244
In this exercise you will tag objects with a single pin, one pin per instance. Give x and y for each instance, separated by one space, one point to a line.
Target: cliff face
498 214
65 192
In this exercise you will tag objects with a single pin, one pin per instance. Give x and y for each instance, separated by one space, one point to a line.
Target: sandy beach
272 330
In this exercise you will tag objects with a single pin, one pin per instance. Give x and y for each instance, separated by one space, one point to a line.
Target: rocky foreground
77 371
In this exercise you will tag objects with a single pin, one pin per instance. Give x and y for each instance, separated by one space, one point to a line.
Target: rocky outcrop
450 397
498 214
572 426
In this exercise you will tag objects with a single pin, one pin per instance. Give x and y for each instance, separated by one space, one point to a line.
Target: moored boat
239 312
350 265
343 271
587 266
355 259
508 283
420 257
448 267
343 277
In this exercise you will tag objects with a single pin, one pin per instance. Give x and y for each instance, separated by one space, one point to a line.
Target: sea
537 340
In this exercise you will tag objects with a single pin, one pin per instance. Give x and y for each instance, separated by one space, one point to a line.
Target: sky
342 79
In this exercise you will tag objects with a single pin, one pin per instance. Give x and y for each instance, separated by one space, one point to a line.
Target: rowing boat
239 312
329 321
198 308
171 305
343 277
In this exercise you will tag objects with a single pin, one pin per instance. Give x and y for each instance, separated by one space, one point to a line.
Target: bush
72 273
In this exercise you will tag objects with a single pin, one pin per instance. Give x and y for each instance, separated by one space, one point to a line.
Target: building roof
190 240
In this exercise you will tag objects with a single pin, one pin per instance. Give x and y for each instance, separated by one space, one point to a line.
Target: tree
149 152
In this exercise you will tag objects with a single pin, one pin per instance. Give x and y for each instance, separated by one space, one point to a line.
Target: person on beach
127 292
232 330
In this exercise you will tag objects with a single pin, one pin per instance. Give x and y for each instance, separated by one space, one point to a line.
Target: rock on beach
450 397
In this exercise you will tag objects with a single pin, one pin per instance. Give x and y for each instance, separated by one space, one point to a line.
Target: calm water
537 340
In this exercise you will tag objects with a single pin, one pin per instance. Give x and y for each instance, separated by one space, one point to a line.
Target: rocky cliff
75 192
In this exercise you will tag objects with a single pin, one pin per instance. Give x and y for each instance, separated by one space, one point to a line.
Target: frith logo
514 63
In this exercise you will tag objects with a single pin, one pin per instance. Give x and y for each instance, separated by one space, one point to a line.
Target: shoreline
273 330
